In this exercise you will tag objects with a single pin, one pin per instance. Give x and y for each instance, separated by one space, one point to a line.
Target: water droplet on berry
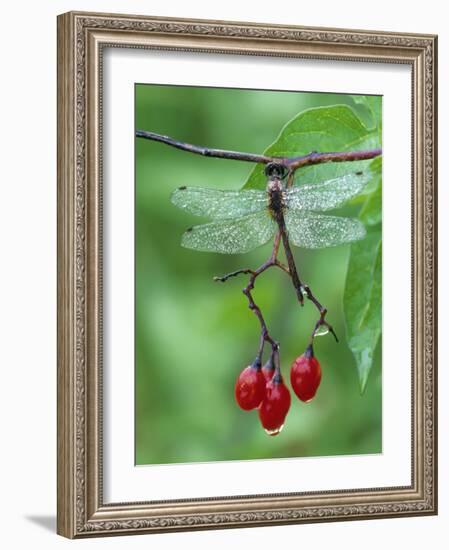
276 431
275 405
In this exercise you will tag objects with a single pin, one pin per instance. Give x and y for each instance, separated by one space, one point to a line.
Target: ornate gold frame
81 38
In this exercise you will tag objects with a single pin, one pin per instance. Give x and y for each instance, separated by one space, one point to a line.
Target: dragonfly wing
217 204
231 236
328 194
310 230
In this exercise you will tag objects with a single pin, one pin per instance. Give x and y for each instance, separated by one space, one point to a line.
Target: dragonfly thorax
276 196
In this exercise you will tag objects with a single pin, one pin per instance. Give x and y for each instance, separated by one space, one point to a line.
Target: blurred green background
194 336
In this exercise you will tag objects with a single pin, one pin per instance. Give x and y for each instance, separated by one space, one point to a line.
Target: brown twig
292 163
301 288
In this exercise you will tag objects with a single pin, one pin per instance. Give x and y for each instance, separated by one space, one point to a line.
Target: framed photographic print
197 159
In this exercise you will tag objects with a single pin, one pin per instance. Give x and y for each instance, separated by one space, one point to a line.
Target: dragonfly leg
290 177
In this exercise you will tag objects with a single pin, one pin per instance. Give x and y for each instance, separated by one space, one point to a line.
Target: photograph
258 274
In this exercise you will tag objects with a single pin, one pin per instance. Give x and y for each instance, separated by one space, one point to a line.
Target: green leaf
371 212
371 193
363 289
321 129
363 301
369 108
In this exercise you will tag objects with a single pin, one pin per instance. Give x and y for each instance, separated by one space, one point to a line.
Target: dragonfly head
275 170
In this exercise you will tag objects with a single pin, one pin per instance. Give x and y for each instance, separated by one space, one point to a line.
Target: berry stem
301 289
265 335
322 310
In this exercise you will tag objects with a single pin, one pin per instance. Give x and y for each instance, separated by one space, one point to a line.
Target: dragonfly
246 219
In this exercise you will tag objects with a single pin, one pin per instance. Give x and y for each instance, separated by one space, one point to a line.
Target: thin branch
300 288
321 321
293 163
206 151
319 158
293 272
224 278
265 335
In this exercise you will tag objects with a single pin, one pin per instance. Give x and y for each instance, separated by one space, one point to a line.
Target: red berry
268 369
275 406
305 375
250 387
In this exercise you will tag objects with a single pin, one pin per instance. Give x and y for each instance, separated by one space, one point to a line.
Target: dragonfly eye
275 169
